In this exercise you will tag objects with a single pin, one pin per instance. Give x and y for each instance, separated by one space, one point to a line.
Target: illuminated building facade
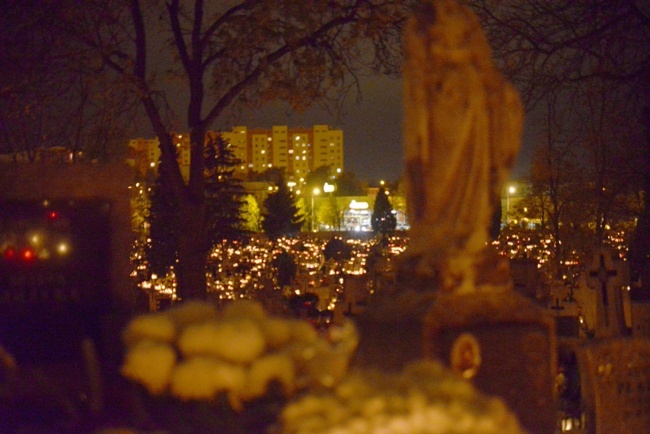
296 150
145 153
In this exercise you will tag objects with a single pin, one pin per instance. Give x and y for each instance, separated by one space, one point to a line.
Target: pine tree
251 212
224 193
281 216
223 196
162 248
383 218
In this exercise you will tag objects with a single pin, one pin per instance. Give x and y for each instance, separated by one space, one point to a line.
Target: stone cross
604 277
556 307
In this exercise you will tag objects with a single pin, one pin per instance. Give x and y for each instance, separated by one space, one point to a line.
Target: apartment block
145 153
296 150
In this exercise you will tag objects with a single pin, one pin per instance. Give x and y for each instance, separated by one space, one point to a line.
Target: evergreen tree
161 250
383 218
251 212
281 216
224 193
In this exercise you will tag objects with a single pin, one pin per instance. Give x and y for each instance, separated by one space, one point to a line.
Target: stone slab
616 385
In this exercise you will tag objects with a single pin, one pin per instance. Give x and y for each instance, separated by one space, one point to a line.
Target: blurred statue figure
462 131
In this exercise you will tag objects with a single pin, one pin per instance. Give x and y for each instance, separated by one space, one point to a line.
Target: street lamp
315 192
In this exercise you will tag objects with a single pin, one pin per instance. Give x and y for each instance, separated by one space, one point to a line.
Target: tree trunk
190 272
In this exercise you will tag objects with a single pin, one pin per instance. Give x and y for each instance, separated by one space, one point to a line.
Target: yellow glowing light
63 248
35 239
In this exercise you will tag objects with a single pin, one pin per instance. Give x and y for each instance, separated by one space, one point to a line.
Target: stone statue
462 130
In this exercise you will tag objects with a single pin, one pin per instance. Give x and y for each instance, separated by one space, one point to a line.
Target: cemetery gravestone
605 279
355 297
566 312
54 276
640 312
525 277
65 238
616 385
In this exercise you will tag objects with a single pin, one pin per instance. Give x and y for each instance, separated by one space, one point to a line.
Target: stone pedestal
501 341
392 329
505 344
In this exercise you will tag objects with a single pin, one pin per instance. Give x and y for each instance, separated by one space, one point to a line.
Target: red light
52 215
27 255
9 253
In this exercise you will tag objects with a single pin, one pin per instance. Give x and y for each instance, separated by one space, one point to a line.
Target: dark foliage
337 249
224 193
286 268
281 216
383 218
162 250
347 185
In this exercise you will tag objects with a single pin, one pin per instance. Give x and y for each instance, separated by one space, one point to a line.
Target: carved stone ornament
465 357
462 131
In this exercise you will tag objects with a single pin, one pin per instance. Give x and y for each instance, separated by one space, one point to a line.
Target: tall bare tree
51 96
225 53
591 56
555 174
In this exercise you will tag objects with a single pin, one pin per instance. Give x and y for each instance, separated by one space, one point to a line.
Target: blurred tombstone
65 238
567 316
615 388
566 310
525 277
354 298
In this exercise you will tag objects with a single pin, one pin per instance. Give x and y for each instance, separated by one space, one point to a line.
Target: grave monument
65 238
454 299
604 277
614 368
